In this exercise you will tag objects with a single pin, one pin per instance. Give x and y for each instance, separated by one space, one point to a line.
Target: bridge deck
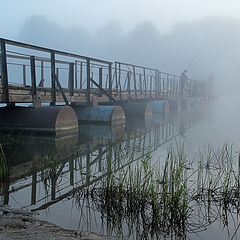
23 94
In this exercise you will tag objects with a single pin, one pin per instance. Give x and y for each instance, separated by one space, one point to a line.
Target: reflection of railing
85 165
29 70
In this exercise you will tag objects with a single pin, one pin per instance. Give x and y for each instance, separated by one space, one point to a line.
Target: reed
161 200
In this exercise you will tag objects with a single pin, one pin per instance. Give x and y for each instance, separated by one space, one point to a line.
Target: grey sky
167 34
93 14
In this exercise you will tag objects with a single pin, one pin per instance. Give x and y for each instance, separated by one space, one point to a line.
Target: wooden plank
19 92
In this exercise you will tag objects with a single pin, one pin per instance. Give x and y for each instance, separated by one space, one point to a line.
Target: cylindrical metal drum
174 105
100 114
137 110
54 119
160 106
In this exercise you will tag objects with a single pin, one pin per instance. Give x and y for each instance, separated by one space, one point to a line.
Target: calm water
45 170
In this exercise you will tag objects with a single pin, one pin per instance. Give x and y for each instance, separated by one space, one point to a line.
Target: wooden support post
151 86
53 85
160 84
135 82
76 74
170 87
4 74
167 86
57 72
145 81
100 80
140 83
88 81
110 79
81 74
155 83
71 79
41 84
174 87
24 75
164 88
91 85
116 75
33 77
128 83
119 81
178 88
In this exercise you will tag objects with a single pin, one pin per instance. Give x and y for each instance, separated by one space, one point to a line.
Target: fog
211 44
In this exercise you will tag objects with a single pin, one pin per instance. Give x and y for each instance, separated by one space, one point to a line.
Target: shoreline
23 225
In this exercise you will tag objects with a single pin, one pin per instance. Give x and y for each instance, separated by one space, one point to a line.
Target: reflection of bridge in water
51 169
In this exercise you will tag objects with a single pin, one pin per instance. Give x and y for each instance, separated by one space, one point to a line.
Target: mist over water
210 45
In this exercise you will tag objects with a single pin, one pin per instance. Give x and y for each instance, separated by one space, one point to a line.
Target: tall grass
141 191
162 200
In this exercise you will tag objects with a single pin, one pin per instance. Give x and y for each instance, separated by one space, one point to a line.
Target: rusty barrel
58 120
137 110
100 114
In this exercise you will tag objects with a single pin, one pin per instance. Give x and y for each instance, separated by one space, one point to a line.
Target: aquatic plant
171 199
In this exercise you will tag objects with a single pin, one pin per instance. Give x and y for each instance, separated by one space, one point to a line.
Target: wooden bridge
34 74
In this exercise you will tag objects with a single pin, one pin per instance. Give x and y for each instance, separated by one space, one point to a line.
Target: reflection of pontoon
74 163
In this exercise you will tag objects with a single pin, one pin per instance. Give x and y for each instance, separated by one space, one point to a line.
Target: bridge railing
37 67
31 70
150 82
